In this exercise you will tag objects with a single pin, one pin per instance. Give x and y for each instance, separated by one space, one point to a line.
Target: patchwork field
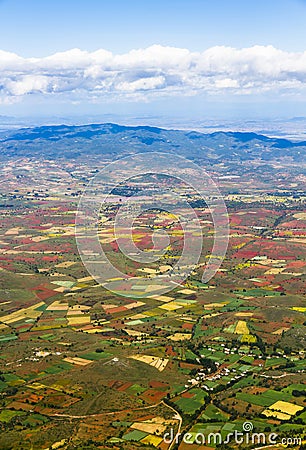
84 367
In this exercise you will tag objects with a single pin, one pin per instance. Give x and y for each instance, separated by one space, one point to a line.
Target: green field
190 405
265 399
134 435
214 413
7 415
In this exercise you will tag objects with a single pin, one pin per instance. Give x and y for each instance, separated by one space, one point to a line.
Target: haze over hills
65 141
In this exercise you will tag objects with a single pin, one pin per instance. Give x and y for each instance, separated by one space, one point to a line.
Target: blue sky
189 84
42 27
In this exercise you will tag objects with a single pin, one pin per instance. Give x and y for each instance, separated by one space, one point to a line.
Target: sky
196 58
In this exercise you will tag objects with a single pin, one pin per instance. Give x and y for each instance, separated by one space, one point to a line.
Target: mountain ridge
70 141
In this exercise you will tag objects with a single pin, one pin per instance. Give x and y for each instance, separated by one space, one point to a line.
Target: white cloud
226 83
145 84
28 84
153 71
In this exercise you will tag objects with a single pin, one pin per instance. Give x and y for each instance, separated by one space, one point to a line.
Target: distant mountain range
63 141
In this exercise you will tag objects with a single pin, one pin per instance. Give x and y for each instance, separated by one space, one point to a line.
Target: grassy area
7 415
265 399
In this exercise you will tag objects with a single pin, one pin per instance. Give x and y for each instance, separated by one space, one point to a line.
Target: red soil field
124 386
152 395
158 385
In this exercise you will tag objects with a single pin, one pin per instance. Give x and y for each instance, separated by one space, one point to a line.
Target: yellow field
165 268
78 309
134 332
154 361
153 287
109 306
65 264
300 216
211 315
60 289
152 440
162 298
286 407
58 444
243 265
28 313
114 278
299 309
138 316
238 246
36 386
248 338
186 291
78 361
56 387
282 410
95 330
148 270
85 279
215 305
280 330
51 326
79 286
13 231
74 312
241 327
160 364
171 306
269 261
151 428
276 414
58 306
275 271
300 240
78 320
134 305
180 336
177 233
244 314
150 313
39 238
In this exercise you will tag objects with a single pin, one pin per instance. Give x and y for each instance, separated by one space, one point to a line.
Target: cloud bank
154 71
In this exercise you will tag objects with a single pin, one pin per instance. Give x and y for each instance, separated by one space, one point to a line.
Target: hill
63 141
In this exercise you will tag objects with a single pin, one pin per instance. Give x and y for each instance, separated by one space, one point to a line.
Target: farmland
84 367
